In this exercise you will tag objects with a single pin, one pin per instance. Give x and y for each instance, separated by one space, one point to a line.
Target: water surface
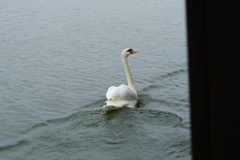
58 59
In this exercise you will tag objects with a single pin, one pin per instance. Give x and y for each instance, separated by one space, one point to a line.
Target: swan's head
126 52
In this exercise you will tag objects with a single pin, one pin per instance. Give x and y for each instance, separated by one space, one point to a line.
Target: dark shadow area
214 74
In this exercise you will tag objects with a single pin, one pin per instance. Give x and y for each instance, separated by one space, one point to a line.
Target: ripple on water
96 134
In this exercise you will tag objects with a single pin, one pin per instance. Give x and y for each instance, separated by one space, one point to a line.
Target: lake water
57 60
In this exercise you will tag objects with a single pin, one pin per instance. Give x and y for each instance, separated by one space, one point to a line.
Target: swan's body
123 95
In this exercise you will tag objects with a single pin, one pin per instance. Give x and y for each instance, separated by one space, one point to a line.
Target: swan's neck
128 74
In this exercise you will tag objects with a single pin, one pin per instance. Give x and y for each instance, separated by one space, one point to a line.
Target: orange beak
133 51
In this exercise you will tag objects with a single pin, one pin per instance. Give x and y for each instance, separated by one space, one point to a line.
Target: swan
123 95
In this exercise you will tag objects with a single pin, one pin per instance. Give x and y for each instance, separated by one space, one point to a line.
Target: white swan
123 95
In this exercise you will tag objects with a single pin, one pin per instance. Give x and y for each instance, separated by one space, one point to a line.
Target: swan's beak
133 51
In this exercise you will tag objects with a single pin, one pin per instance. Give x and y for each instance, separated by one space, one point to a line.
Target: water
58 59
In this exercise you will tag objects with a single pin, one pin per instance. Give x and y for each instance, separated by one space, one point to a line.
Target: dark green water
58 59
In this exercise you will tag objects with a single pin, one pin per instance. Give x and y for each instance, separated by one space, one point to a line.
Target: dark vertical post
214 71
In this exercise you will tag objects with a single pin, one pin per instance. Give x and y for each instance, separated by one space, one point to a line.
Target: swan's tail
117 104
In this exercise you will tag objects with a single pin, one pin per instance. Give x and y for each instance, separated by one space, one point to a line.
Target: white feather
123 92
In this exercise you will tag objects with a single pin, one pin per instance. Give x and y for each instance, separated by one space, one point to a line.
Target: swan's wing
122 92
119 97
